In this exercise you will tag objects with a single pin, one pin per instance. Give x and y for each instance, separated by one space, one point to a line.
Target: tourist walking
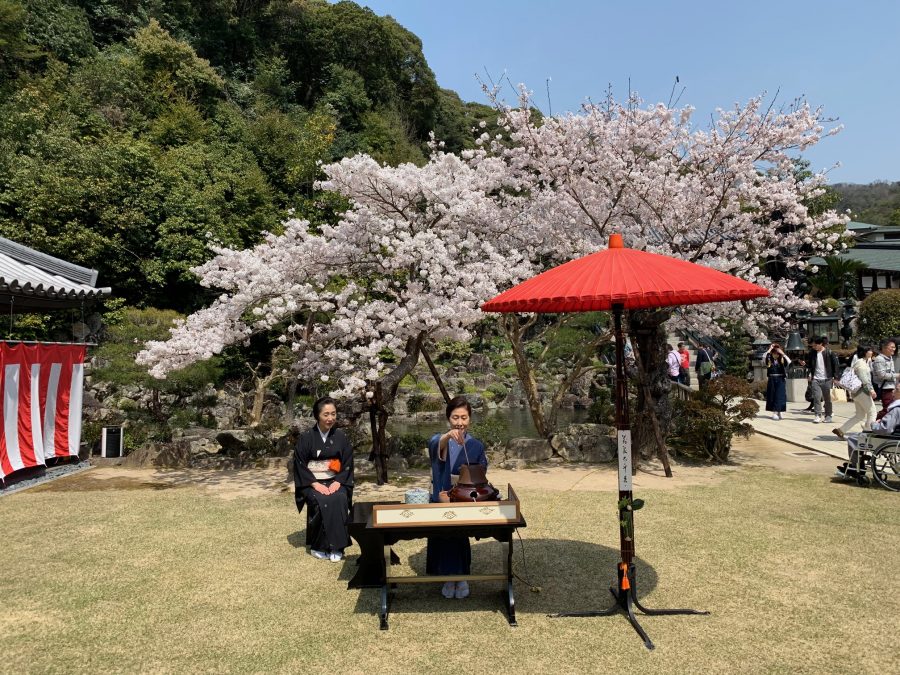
864 396
673 363
705 366
777 363
684 373
822 365
884 375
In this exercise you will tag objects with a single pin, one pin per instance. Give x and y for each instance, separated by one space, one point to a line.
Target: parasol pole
623 433
625 589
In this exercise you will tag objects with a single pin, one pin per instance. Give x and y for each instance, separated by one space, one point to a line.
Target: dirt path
231 484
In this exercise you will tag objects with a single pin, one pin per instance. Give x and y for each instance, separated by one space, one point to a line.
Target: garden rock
397 463
233 442
585 443
530 449
479 363
363 467
513 464
174 455
284 445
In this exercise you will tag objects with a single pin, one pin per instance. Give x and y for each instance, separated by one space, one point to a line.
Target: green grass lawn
798 572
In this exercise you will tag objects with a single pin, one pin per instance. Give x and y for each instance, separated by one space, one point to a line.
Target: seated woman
448 452
323 477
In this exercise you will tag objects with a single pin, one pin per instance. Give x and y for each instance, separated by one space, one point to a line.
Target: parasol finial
615 241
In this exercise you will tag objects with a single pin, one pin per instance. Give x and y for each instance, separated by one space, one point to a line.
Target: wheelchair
878 452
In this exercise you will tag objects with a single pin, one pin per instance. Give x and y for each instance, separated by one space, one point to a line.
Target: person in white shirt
673 363
863 398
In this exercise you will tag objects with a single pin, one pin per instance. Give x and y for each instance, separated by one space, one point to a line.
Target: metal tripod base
626 598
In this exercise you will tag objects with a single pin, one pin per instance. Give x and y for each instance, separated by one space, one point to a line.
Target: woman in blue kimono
448 452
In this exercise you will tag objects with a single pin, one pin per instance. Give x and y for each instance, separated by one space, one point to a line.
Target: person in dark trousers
684 372
323 479
823 368
704 366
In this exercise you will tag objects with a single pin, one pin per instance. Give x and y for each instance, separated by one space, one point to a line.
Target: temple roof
31 281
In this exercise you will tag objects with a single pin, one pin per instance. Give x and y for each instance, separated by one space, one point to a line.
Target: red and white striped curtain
41 389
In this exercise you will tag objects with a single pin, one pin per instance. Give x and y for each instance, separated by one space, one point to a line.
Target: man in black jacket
823 367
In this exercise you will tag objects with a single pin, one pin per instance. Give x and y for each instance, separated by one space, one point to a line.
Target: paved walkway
797 428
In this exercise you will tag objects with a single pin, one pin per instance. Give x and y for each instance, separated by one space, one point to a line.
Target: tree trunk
515 331
260 387
293 383
436 375
645 328
382 403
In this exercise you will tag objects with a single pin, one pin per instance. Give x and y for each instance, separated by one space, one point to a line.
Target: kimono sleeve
345 475
303 477
434 449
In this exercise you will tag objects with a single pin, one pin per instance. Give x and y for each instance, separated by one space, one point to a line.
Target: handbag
850 381
809 393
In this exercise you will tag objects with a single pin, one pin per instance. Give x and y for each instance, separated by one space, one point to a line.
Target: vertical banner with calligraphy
624 460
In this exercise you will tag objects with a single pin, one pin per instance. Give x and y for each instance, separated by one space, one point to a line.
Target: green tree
15 48
837 278
879 315
59 29
125 339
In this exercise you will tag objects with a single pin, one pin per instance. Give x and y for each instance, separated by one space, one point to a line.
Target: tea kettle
473 486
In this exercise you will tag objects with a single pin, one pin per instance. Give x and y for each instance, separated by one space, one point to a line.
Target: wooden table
377 557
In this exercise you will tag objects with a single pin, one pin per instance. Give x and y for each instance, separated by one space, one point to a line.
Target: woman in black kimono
323 479
448 452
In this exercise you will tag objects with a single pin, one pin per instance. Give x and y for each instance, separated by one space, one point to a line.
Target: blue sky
843 56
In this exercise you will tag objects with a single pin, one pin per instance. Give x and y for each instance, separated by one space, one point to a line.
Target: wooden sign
452 513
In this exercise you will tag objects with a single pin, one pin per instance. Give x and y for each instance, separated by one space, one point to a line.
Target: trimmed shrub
705 425
879 315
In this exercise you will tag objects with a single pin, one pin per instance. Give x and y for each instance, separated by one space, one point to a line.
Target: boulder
513 464
284 445
396 463
198 445
89 402
479 363
530 449
227 410
585 443
363 467
173 455
475 400
233 441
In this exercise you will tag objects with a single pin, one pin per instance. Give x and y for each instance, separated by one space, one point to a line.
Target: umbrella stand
625 590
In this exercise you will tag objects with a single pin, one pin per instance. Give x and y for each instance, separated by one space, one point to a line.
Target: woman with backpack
864 394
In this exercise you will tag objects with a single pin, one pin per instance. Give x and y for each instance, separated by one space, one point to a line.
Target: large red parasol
622 276
617 279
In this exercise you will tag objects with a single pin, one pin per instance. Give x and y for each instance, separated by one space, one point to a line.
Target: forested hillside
877 203
133 132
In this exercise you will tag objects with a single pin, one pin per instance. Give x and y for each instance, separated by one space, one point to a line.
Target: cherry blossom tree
726 195
422 247
412 259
